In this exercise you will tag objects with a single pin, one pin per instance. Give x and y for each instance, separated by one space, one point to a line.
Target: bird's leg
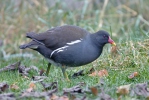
48 69
64 73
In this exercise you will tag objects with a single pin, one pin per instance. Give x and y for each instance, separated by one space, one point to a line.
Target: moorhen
68 46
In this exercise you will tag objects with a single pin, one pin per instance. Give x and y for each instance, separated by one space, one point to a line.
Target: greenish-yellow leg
48 69
64 73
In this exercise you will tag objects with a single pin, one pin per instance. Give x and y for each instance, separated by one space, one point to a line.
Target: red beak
111 41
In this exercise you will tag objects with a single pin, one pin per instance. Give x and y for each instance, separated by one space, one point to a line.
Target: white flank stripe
58 50
61 49
74 42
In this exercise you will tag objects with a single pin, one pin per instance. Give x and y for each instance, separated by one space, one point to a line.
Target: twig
102 13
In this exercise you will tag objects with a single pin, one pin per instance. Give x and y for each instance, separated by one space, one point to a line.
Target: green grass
129 32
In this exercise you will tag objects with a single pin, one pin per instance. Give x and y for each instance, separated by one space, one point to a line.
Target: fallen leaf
32 86
11 67
3 87
23 70
100 73
141 90
133 75
74 89
14 87
123 90
94 90
38 94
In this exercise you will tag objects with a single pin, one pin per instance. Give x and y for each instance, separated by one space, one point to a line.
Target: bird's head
103 38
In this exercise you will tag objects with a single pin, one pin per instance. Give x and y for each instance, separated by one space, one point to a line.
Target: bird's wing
58 36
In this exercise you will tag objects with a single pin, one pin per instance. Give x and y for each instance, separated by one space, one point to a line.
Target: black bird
68 46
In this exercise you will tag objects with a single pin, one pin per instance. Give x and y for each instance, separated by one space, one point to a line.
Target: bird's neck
96 41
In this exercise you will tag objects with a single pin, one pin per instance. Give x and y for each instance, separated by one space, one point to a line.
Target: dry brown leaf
11 67
32 86
100 73
123 90
14 86
94 90
133 75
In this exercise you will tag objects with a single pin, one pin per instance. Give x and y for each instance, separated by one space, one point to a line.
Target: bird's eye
105 36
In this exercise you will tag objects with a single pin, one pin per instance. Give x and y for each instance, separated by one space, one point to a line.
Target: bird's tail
31 45
30 35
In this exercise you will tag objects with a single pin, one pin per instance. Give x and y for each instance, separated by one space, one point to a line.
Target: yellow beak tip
114 43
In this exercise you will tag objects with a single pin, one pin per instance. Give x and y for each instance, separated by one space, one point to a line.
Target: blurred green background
125 19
